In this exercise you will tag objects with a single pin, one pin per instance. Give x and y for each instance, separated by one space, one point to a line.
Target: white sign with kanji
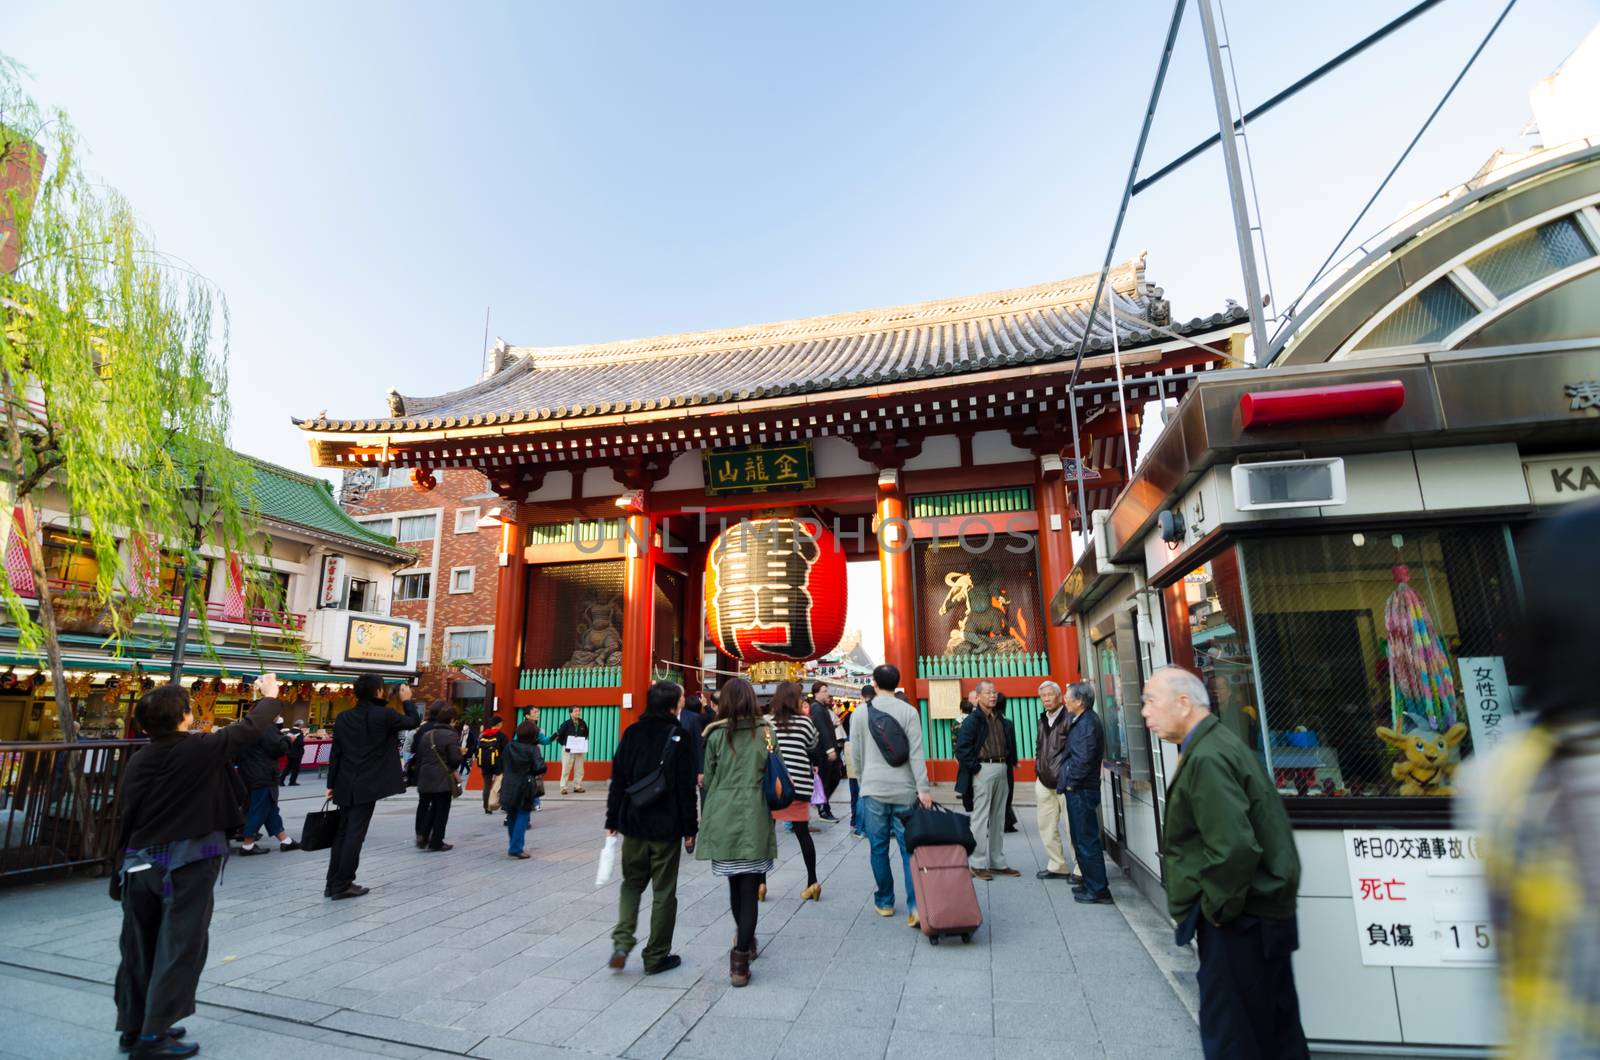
1419 898
1486 695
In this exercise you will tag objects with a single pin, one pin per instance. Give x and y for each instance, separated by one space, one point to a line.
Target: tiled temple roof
1022 326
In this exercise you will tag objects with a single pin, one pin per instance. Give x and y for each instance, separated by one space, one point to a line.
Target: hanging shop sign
758 469
1563 479
332 582
775 590
373 640
1419 899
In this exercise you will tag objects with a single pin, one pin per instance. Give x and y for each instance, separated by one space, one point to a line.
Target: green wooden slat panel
603 729
938 735
972 502
572 677
567 533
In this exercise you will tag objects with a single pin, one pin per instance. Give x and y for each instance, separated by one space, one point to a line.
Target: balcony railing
292 621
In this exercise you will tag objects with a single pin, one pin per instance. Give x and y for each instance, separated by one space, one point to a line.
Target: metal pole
180 641
1230 155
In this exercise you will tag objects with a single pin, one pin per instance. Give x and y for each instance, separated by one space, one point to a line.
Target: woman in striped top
797 742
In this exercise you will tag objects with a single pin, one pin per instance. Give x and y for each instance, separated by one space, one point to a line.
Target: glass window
379 526
412 586
417 527
172 580
466 520
1220 639
574 615
1435 312
1531 256
1381 655
422 649
1108 669
266 590
980 596
471 645
360 596
461 579
70 557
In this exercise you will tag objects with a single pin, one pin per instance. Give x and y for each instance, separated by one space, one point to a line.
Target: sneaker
520 855
127 1040
251 851
912 920
618 959
1087 899
669 962
856 833
884 911
288 845
579 791
355 890
830 818
563 791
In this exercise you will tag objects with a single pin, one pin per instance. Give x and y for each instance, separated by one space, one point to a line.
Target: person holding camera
178 805
363 767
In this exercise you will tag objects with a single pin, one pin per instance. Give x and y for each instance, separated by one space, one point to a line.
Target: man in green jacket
1232 874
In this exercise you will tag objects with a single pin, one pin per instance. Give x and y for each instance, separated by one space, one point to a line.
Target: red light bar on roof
1314 404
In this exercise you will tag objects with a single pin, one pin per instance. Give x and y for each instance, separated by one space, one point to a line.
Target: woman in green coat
736 833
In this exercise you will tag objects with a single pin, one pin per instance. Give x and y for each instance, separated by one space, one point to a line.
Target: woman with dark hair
797 740
430 721
521 766
178 805
736 833
438 756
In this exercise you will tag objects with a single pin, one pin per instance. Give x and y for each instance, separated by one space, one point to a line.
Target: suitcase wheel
933 940
967 937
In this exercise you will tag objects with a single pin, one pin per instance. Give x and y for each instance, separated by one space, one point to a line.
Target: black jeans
164 944
1248 1006
1083 823
742 900
345 855
433 813
291 772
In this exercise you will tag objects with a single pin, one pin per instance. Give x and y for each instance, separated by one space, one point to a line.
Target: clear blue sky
362 179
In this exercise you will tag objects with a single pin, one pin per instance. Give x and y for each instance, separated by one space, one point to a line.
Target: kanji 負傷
762 576
1377 935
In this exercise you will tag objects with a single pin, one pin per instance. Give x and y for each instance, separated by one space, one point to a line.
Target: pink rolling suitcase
947 904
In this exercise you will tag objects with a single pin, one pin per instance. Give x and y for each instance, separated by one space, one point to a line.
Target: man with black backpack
491 745
886 754
651 804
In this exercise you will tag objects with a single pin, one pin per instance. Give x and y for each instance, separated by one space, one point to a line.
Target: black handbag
939 826
455 778
320 827
652 787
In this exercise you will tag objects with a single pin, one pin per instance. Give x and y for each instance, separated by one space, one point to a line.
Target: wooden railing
59 806
251 616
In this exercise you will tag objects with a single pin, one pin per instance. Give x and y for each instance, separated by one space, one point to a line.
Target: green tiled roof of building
291 497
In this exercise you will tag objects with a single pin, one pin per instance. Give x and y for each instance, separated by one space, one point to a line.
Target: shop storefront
1332 544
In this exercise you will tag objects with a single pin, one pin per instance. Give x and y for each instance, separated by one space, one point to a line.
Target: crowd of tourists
717 779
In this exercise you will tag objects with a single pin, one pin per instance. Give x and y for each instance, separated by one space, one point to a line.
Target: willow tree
113 390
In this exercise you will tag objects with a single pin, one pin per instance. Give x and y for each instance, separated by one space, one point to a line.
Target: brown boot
738 967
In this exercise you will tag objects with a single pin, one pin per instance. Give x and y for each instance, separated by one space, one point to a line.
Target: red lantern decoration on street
776 590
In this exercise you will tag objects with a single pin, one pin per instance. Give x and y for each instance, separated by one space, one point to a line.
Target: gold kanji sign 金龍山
757 469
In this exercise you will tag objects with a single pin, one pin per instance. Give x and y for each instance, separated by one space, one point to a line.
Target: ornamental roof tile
301 500
925 340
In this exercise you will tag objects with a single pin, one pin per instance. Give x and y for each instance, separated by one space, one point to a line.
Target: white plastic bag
608 861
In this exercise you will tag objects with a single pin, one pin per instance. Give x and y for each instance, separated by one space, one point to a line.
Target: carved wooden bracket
515 484
642 472
886 451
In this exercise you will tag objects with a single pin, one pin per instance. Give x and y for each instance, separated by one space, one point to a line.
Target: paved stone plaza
471 953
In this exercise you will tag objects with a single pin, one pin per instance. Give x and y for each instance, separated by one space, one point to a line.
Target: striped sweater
797 738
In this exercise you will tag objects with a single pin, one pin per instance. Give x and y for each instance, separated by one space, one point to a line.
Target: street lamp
204 513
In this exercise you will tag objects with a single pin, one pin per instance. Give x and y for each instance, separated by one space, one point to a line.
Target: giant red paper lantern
776 590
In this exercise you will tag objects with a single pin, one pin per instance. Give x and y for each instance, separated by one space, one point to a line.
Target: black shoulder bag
652 787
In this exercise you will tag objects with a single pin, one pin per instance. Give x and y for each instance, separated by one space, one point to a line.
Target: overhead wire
1111 248
1383 184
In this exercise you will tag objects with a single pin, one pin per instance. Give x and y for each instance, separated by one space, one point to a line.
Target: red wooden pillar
1055 561
894 559
508 618
638 614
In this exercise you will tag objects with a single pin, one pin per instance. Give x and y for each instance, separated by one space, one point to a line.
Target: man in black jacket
178 804
296 732
1079 781
363 767
258 768
651 833
829 767
986 750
